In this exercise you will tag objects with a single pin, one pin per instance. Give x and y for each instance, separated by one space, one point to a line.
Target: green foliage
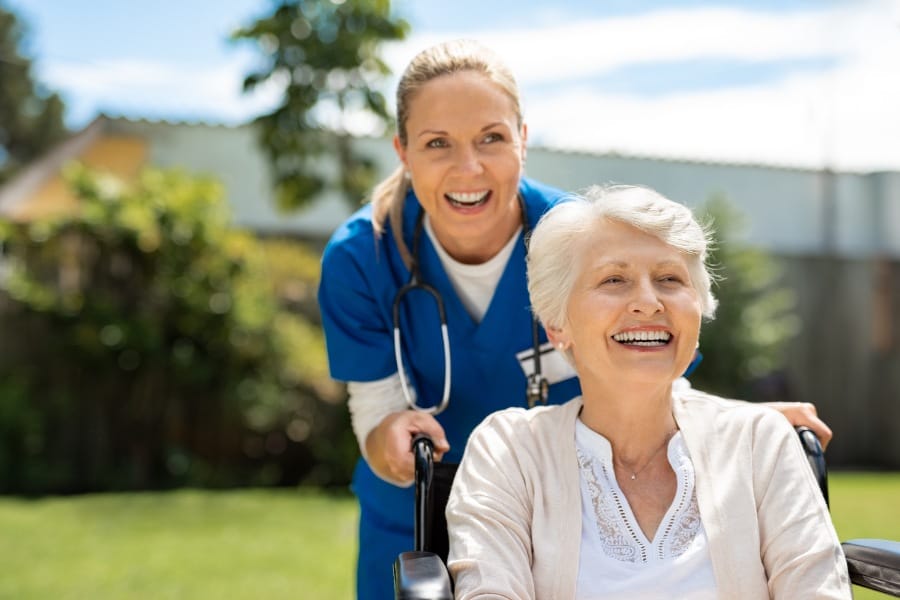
326 55
32 118
150 347
743 347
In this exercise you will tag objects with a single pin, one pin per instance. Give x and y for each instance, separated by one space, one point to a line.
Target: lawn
195 544
187 544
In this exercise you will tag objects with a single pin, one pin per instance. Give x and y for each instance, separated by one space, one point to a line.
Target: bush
743 346
146 345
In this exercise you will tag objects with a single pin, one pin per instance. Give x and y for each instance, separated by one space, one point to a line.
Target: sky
794 83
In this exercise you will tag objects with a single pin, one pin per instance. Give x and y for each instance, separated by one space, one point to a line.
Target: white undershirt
474 284
618 562
372 401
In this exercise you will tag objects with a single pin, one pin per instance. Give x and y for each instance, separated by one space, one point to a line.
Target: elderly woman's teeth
467 198
643 338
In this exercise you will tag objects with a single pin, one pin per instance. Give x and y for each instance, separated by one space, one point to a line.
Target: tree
31 119
326 54
743 346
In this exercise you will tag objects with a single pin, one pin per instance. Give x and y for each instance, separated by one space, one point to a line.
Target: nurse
457 212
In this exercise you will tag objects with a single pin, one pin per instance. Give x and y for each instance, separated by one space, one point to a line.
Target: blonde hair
560 235
443 59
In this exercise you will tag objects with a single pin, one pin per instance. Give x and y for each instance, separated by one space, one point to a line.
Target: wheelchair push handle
815 455
423 458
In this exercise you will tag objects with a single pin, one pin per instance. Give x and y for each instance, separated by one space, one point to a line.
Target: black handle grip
816 457
423 457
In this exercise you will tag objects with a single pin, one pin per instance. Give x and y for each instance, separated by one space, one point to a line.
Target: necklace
634 474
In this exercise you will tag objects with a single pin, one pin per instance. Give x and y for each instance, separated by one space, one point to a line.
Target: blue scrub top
361 274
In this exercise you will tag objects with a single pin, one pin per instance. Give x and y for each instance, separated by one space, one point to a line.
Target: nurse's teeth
467 197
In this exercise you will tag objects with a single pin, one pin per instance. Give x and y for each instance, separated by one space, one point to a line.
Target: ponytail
388 198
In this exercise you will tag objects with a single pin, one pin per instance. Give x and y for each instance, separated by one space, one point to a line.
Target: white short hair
559 239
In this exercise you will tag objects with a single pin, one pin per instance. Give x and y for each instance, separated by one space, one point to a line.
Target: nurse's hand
804 413
389 445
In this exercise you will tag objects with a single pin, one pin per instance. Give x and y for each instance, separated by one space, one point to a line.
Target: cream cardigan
514 514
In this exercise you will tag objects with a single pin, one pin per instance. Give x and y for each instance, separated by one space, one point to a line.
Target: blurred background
170 171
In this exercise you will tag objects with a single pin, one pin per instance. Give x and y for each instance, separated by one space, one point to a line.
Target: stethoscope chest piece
538 390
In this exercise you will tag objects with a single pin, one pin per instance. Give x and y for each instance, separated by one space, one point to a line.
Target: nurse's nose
468 160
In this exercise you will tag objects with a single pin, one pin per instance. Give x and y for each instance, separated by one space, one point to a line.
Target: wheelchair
421 574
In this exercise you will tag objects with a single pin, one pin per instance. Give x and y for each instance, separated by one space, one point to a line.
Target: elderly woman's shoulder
717 408
538 417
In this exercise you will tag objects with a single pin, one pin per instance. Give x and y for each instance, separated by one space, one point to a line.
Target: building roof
790 210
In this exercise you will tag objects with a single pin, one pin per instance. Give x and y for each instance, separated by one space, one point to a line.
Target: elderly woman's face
633 311
464 153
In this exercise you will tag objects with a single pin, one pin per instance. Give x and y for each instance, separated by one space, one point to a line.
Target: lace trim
684 525
618 537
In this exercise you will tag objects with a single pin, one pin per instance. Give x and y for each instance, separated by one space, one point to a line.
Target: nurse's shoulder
540 197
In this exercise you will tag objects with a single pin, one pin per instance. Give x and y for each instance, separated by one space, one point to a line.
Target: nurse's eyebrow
487 127
431 132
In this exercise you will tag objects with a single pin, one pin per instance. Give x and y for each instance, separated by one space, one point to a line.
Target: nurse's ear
400 149
524 142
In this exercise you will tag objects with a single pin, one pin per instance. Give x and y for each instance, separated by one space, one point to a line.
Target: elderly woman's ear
558 338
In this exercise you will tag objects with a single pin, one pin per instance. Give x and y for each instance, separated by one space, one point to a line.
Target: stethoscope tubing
414 284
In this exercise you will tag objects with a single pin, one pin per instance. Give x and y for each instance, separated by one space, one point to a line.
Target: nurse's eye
437 143
492 137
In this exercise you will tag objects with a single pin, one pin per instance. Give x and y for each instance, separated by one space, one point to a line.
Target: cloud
833 104
824 89
585 48
154 89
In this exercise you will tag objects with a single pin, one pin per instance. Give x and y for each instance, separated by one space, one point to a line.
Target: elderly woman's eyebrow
614 262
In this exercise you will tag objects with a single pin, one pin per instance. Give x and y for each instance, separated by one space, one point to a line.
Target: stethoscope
538 386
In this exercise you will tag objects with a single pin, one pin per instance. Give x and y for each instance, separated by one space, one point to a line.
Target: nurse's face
464 154
633 313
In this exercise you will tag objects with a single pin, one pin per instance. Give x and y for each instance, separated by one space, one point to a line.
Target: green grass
185 544
253 543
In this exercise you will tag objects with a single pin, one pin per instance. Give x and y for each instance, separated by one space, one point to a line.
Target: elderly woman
641 487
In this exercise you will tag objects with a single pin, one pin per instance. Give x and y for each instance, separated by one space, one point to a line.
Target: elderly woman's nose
645 298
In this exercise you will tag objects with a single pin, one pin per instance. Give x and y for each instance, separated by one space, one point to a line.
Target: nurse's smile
467 199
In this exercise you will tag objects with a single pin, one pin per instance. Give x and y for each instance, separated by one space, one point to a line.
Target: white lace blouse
617 559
